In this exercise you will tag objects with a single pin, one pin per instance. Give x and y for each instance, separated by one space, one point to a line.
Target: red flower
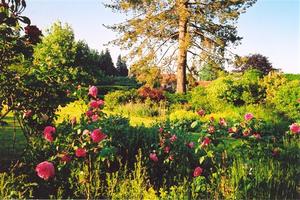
190 145
201 112
45 170
205 142
94 104
153 157
222 122
171 157
246 133
48 131
295 128
93 91
160 129
211 129
89 113
248 116
98 136
173 138
65 158
257 136
80 152
167 149
198 171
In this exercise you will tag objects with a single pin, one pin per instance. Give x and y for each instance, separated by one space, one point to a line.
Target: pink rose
45 170
190 145
89 113
95 118
232 130
205 142
86 132
198 171
65 158
80 152
93 91
246 133
295 128
153 157
160 130
222 122
98 136
211 129
94 104
167 149
48 131
257 136
173 138
248 116
100 103
201 112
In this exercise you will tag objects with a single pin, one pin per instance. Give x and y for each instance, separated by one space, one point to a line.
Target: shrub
286 99
199 99
119 97
271 83
154 94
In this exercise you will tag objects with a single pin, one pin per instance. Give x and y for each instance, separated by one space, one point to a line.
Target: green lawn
12 140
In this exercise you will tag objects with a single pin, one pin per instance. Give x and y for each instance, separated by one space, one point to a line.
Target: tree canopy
160 29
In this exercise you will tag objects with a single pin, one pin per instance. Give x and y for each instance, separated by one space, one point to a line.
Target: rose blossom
295 128
211 129
98 136
65 158
232 130
48 131
190 145
153 157
171 157
80 152
93 91
205 142
201 112
95 118
89 113
45 170
167 149
222 122
198 171
160 129
257 136
248 116
173 138
86 132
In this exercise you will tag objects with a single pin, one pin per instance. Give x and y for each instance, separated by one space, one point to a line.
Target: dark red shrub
153 94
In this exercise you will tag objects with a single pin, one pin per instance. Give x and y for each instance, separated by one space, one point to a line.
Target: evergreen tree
159 29
121 67
106 64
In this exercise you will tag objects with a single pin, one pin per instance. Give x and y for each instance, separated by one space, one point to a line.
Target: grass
12 140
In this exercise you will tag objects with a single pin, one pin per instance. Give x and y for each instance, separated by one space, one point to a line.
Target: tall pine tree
121 67
161 29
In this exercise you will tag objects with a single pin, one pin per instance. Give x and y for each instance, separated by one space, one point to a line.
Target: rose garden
73 127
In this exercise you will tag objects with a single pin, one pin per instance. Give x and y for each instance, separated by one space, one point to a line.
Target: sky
270 27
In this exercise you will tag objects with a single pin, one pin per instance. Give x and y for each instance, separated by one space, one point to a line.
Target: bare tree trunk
182 45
